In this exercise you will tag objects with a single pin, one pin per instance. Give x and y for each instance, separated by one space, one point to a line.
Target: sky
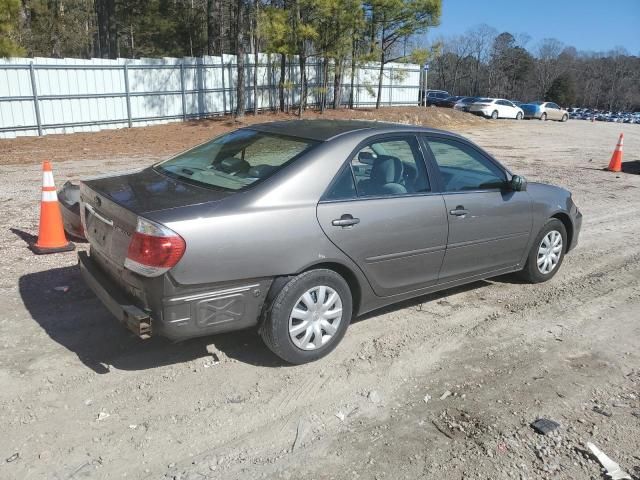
595 25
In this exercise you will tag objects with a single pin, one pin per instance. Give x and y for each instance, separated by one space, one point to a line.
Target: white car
496 108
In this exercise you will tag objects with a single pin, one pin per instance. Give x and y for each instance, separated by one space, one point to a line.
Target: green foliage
274 29
420 56
9 12
395 20
562 90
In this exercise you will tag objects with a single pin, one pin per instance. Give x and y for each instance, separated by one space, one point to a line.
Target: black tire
543 117
519 116
565 118
494 115
530 272
275 327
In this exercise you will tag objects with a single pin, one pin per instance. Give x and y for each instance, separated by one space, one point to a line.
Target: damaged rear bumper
116 301
161 307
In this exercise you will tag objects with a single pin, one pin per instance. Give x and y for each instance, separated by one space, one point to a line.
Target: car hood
149 191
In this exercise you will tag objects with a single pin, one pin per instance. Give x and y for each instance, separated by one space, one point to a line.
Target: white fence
42 96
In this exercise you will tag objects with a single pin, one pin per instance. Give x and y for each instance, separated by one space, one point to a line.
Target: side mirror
518 183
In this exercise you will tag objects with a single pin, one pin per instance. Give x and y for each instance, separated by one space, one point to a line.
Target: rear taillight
154 249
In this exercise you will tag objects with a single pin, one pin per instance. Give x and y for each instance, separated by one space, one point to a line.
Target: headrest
233 165
366 158
261 171
386 169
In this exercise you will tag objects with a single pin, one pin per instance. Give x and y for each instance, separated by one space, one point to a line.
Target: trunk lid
148 190
110 207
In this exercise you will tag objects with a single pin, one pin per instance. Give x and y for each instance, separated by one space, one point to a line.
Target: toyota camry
295 228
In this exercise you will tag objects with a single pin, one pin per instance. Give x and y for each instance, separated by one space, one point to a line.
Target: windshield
484 100
235 160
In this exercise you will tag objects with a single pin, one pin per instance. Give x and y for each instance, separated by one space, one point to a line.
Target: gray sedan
297 227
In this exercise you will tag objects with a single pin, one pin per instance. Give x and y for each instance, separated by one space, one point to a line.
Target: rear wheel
547 253
307 319
543 117
494 114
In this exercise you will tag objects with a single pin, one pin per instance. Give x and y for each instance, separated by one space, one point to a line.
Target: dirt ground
81 398
168 139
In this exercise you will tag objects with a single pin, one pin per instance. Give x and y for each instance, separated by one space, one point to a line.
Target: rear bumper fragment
112 296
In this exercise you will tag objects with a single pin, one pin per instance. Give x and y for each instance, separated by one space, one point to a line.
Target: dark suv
433 96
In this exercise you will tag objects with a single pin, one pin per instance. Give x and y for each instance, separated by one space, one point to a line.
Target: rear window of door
463 168
382 168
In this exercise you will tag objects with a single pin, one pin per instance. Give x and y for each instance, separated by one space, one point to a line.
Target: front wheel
494 115
565 118
519 116
547 253
543 117
307 319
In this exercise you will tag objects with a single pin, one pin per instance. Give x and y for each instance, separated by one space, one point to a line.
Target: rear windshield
236 160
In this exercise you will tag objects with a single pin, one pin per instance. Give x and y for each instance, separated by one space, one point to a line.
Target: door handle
345 220
459 211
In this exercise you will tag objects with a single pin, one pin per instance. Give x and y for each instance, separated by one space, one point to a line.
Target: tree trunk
240 53
256 43
54 11
303 83
213 30
302 59
113 30
352 80
283 77
379 99
325 84
337 84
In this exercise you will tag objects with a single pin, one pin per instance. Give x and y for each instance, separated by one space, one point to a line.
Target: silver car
544 111
294 228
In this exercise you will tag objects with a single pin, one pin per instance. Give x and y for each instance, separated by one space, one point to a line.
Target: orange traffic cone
615 165
51 238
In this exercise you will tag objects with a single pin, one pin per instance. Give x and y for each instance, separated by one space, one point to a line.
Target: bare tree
548 68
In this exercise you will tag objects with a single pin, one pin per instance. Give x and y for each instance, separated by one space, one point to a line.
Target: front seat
386 177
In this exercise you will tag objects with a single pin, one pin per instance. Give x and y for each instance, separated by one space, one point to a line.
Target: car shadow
71 315
430 297
632 167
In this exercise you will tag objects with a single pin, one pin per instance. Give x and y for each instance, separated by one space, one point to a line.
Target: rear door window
390 167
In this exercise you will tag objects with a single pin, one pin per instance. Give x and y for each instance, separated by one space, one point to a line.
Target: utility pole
425 67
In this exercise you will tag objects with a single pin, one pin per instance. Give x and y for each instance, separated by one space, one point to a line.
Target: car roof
323 130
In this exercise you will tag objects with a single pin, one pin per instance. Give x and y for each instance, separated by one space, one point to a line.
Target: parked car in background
496 108
465 103
544 111
449 102
435 96
295 227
